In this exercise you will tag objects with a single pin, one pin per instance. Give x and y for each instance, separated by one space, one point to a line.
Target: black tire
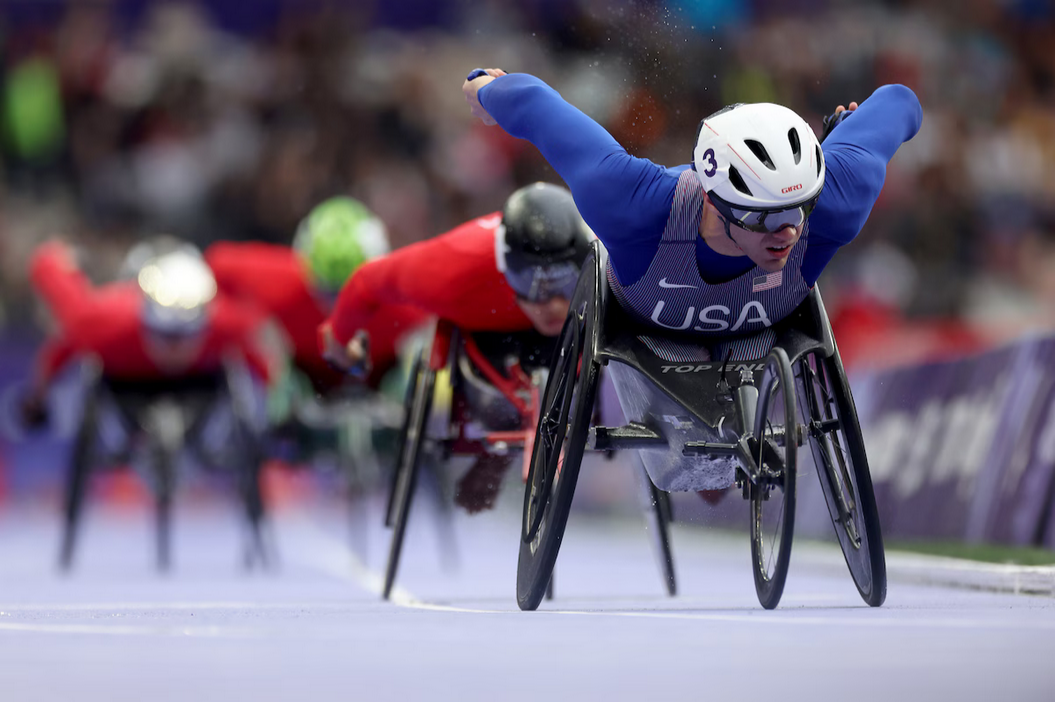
77 480
773 498
560 439
837 444
657 517
408 467
164 491
413 379
257 552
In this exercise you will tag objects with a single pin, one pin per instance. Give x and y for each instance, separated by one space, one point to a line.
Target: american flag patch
767 282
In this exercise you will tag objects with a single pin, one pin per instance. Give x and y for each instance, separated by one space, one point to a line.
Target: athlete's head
335 238
540 247
177 288
763 170
148 248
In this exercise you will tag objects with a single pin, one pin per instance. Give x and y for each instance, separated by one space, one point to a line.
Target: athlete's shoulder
249 254
231 317
475 229
467 245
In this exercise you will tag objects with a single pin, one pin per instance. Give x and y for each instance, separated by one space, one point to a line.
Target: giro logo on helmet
791 189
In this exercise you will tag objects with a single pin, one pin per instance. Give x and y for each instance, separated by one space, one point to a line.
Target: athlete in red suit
108 322
296 286
509 271
276 279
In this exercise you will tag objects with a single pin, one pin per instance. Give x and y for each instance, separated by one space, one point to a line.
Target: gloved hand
352 358
478 488
835 119
33 410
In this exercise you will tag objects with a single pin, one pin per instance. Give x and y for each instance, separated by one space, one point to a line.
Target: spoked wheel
837 445
409 464
773 498
560 439
412 383
658 518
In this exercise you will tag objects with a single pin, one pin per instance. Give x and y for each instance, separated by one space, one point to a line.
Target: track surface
315 628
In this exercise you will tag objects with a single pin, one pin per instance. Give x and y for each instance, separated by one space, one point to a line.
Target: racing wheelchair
344 434
490 413
691 417
149 424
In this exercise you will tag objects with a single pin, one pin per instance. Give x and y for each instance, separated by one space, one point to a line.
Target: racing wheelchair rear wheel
560 439
423 383
838 449
773 497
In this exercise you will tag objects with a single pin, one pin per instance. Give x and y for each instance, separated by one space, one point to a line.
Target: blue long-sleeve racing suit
628 200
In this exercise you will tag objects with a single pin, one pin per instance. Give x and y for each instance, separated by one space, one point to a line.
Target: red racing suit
105 322
274 279
453 276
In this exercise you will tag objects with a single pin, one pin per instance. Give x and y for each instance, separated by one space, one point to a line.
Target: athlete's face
172 353
769 251
547 317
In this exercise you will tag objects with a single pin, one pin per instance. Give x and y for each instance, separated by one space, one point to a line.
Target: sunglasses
764 221
543 283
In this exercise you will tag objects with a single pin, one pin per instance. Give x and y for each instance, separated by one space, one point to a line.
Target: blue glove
832 121
477 72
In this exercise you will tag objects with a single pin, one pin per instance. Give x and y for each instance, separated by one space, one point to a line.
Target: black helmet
543 241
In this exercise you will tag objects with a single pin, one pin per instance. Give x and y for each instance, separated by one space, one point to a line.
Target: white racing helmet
177 288
760 164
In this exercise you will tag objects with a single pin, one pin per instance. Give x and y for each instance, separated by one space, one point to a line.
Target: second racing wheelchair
490 412
695 419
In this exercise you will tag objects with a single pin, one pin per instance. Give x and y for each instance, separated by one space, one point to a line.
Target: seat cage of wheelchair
459 351
704 389
195 396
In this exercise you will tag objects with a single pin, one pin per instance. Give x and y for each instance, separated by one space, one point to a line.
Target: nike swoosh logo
664 284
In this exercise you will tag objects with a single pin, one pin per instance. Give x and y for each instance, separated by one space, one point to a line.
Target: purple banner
963 450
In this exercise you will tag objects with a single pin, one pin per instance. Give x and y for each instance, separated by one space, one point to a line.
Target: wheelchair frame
519 389
447 342
163 453
804 356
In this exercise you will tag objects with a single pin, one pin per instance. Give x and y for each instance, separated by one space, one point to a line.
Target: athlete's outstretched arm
63 287
625 200
856 155
397 278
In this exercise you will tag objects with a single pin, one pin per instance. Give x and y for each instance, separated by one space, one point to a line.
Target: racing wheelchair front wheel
560 439
773 496
408 400
423 383
658 517
837 444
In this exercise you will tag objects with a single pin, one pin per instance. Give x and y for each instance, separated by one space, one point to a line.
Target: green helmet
338 236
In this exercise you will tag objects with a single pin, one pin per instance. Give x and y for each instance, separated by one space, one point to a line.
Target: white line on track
212 632
341 562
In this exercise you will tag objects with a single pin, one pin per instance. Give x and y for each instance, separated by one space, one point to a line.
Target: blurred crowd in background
228 120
